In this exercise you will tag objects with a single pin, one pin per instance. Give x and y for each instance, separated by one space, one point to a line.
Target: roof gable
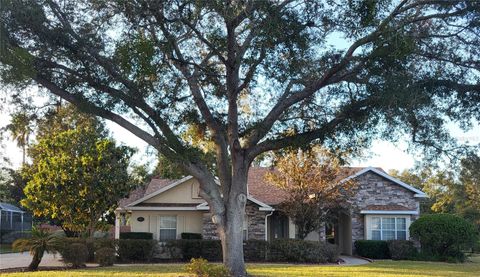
418 193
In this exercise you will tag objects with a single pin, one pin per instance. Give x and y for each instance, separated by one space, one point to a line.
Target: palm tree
20 128
40 242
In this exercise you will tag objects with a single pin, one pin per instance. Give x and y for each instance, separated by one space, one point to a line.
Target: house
382 208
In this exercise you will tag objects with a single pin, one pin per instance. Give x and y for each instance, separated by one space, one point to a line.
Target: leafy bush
281 250
201 268
136 235
443 235
191 248
105 256
191 236
255 250
135 249
401 249
373 249
91 244
75 254
292 250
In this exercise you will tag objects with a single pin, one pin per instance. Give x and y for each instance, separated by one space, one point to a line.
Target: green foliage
76 174
201 268
130 250
187 249
443 235
402 249
105 256
136 235
300 251
191 236
41 241
280 250
75 254
373 249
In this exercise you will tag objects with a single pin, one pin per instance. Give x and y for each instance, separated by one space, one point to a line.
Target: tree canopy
252 76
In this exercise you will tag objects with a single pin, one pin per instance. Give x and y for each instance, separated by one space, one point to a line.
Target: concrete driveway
12 260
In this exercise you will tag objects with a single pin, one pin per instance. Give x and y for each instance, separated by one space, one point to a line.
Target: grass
380 269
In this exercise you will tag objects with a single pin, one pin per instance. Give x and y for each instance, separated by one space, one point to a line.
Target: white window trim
158 225
368 221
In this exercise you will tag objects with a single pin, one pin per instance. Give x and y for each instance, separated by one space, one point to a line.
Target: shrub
191 236
135 249
292 250
373 249
201 268
190 248
255 250
443 235
136 235
105 256
75 254
91 244
401 249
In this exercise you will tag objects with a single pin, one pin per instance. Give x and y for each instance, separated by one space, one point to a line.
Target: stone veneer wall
256 223
373 189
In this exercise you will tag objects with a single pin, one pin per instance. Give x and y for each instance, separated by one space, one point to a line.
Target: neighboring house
13 222
382 209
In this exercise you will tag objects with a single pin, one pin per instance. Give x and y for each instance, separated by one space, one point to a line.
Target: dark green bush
444 235
292 250
191 236
130 250
281 250
91 244
373 249
402 249
255 250
191 248
75 254
105 256
136 235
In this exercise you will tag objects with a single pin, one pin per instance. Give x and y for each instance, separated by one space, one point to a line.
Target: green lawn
381 268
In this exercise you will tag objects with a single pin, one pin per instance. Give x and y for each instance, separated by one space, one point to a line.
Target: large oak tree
253 76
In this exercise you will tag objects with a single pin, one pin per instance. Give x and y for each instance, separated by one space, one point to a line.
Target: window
168 228
388 228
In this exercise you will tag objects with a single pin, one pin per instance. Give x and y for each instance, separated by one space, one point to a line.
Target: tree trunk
230 227
37 258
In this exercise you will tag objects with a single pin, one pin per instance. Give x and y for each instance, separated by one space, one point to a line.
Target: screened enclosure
13 221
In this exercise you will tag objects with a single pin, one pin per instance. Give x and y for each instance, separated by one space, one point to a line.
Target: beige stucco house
382 209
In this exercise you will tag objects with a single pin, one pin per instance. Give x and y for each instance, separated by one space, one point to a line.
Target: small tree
40 242
311 181
77 173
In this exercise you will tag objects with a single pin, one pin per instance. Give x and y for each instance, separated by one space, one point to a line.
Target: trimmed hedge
373 249
294 250
402 249
444 235
281 250
105 256
186 249
75 254
91 244
130 250
136 235
191 236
